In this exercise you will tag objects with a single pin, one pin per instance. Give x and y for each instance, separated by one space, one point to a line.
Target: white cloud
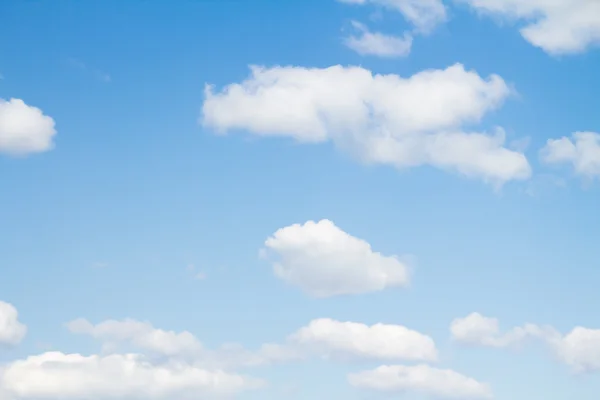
378 44
382 119
423 14
477 329
73 376
582 151
352 340
183 346
556 26
24 129
440 383
323 338
141 334
11 330
580 348
323 261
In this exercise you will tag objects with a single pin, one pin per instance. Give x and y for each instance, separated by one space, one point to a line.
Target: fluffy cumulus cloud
378 44
581 151
423 14
556 26
24 129
325 261
12 330
73 376
580 348
433 382
351 340
385 119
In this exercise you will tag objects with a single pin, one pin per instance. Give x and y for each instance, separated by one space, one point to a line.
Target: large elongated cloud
385 119
24 129
423 379
580 348
556 26
12 330
56 375
324 261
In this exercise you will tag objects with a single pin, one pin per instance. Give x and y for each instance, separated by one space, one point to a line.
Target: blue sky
375 192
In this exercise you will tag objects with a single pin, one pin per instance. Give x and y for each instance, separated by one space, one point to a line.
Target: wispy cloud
195 274
94 72
378 44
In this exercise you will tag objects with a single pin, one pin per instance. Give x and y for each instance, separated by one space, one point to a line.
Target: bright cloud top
24 129
580 348
556 26
324 261
11 330
385 119
440 383
352 340
423 14
73 376
581 151
378 44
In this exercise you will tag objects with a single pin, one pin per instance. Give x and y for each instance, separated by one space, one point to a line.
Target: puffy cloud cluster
186 369
384 119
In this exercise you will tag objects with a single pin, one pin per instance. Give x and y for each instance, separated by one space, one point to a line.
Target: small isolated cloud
581 151
324 261
378 44
379 119
24 129
556 26
423 379
12 331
